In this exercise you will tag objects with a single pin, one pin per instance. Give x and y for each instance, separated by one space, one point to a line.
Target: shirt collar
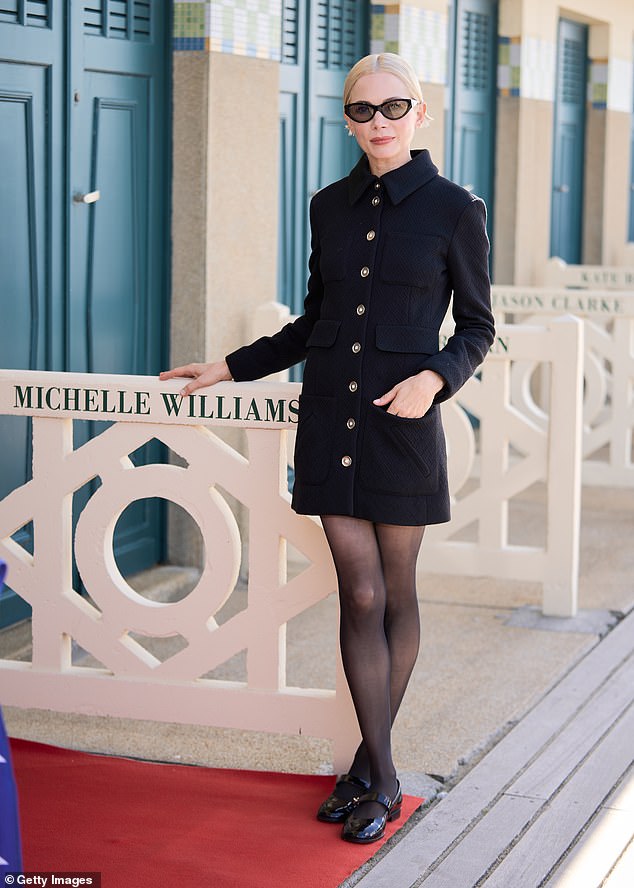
399 183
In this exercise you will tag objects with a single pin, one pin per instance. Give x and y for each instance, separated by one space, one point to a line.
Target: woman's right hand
202 375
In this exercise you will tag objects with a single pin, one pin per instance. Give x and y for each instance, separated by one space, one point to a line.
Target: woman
389 245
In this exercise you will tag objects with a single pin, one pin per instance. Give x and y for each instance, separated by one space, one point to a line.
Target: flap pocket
323 334
406 339
401 456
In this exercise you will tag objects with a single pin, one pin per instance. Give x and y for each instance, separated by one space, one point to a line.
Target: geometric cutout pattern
608 372
153 655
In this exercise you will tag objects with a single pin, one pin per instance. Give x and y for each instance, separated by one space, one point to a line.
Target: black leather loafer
364 830
336 809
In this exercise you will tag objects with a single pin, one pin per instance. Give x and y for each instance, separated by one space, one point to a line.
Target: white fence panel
506 453
608 410
558 273
134 683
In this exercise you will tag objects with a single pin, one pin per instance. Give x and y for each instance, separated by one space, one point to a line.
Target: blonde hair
389 63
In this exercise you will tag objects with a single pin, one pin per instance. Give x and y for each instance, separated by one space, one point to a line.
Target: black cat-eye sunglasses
392 109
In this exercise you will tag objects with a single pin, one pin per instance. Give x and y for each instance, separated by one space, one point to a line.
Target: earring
348 130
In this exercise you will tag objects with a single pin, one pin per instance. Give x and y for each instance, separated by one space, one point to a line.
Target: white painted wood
460 811
593 857
548 838
134 683
564 475
622 876
627 255
145 399
558 273
481 847
608 410
622 799
606 848
479 850
576 739
551 453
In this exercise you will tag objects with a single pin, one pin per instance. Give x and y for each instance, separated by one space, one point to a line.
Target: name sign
537 300
613 277
146 399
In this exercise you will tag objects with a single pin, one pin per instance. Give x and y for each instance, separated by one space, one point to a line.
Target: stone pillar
224 190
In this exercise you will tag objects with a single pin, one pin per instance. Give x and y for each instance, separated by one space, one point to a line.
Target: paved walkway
552 804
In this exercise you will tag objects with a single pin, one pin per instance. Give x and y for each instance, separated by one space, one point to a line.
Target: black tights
379 632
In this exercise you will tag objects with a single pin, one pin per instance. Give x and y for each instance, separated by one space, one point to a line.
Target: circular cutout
95 559
164 583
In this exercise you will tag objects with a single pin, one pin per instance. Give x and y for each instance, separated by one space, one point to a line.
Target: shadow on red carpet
150 825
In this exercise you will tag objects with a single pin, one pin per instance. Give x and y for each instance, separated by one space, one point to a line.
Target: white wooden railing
494 462
133 682
608 408
490 465
558 273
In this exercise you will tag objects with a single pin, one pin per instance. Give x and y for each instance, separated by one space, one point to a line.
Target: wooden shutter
337 40
573 71
122 19
35 13
476 51
290 32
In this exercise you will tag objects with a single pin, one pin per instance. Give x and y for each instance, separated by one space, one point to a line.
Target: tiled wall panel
239 27
420 35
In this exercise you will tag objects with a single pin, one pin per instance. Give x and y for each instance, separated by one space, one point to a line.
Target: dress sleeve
270 354
467 261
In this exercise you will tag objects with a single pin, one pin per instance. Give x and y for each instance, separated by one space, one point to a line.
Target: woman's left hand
413 397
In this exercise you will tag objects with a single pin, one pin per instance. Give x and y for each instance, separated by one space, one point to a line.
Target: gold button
346 461
353 386
356 348
376 200
351 423
371 235
360 309
365 271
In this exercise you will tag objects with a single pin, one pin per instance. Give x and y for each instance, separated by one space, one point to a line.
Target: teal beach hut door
471 137
31 225
84 103
117 164
321 40
568 142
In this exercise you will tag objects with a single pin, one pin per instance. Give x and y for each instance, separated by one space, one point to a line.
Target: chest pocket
333 259
415 261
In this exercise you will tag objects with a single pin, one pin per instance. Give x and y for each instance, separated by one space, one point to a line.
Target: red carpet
148 825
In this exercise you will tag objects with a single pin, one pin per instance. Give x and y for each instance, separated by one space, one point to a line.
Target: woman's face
386 142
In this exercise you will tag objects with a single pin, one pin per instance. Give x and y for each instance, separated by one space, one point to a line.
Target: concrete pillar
224 218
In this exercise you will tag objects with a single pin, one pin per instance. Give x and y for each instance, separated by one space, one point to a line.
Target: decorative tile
238 27
420 35
508 69
525 67
598 83
619 84
538 69
189 20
